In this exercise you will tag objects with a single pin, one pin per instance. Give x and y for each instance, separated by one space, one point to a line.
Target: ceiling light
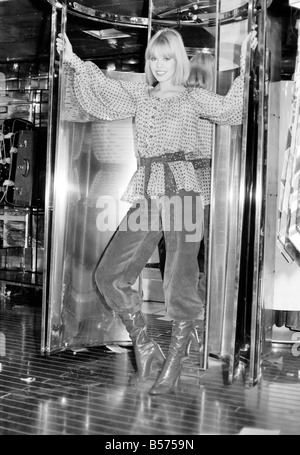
112 42
131 61
108 33
111 66
295 3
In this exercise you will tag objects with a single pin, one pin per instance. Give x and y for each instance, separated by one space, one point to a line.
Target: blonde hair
202 71
168 42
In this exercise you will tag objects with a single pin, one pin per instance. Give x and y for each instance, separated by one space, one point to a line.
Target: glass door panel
228 190
93 163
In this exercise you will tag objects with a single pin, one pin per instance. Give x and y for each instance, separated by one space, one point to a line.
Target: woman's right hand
63 45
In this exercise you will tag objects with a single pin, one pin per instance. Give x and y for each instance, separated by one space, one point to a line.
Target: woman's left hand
252 37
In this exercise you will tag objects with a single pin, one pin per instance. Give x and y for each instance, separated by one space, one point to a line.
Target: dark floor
89 392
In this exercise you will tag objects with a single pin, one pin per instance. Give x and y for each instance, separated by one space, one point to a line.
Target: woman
165 191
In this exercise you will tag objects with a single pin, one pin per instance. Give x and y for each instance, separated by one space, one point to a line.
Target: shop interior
65 356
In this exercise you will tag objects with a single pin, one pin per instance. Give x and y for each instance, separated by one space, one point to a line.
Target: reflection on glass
227 191
95 162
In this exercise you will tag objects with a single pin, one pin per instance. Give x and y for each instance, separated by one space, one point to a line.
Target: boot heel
178 352
194 338
159 355
146 350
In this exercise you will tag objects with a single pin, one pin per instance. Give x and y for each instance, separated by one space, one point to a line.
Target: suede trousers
181 219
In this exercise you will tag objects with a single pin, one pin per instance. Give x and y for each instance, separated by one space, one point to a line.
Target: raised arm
226 109
98 95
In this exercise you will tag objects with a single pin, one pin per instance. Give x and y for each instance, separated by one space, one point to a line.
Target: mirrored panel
228 181
276 269
93 163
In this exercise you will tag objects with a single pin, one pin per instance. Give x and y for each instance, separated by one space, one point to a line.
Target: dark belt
198 163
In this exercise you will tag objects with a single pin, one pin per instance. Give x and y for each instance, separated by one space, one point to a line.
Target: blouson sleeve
220 109
102 97
71 108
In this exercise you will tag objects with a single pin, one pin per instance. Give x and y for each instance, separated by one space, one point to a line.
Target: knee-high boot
146 350
183 333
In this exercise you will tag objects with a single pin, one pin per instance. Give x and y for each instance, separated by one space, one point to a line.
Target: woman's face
163 67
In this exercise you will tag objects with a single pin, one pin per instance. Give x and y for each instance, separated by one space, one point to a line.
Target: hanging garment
288 238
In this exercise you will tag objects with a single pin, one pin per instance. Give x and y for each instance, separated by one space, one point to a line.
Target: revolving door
90 163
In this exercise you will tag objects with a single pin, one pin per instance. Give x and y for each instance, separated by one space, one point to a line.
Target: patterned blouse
173 139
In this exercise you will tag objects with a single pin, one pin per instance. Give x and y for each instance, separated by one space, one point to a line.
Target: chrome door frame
53 121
